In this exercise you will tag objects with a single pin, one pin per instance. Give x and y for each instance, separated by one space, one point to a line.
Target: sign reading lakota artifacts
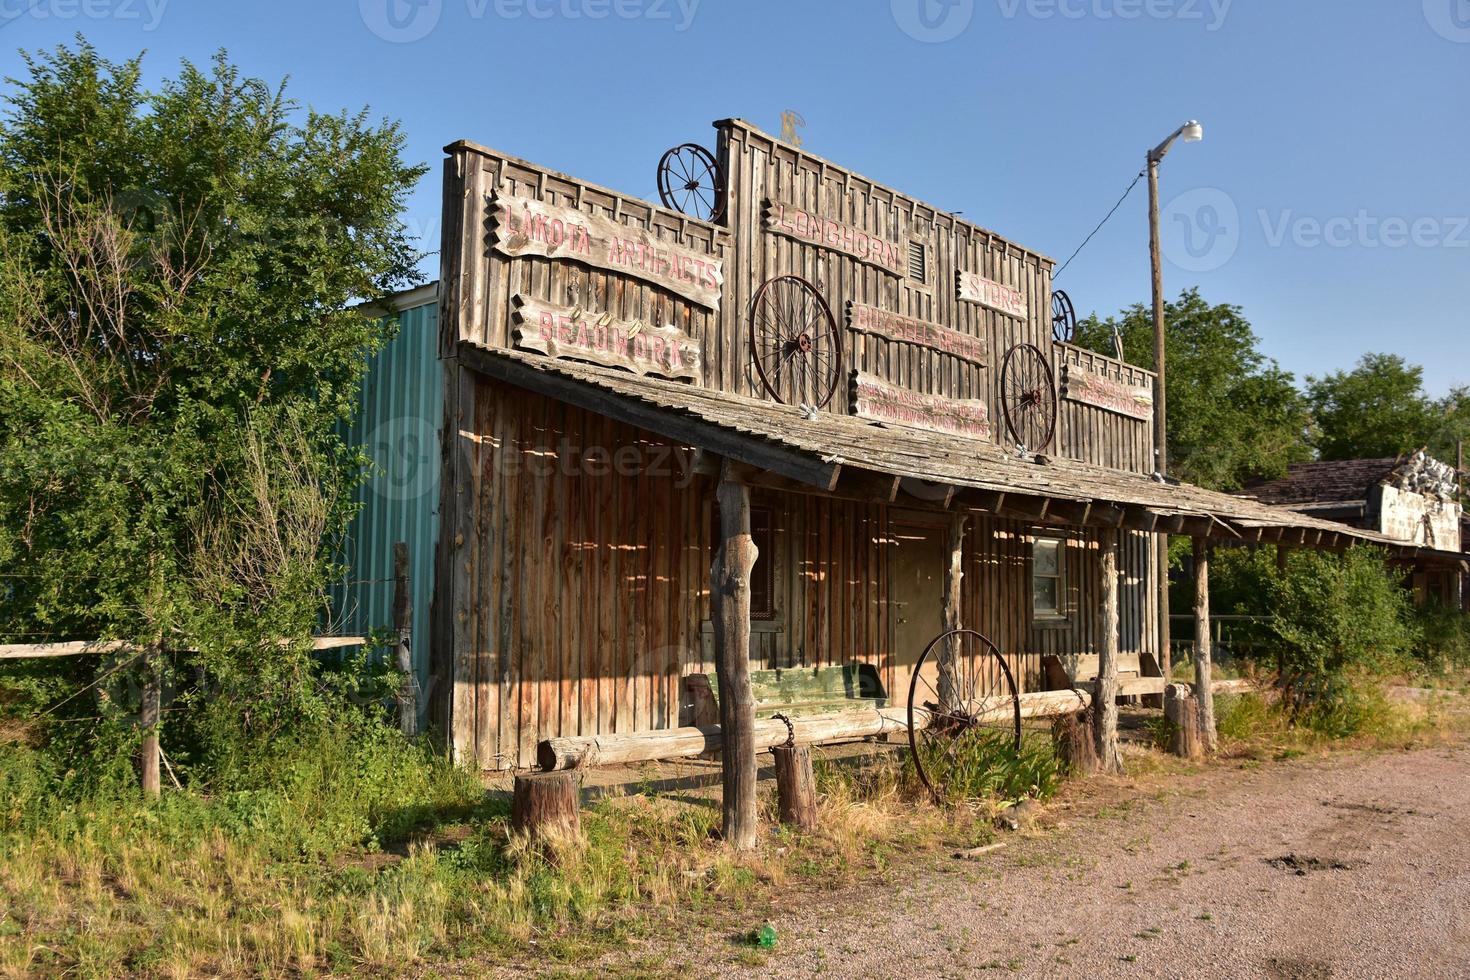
878 401
562 331
907 330
1091 388
805 226
527 227
975 288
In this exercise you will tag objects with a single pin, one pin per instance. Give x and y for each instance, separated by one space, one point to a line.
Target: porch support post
1202 646
954 573
1105 688
730 610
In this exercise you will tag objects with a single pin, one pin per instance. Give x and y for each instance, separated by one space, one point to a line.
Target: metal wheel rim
1063 317
690 182
1028 397
794 341
932 780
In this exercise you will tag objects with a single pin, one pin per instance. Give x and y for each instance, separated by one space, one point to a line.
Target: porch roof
853 457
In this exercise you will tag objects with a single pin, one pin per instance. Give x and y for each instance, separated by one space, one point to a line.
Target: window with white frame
1048 588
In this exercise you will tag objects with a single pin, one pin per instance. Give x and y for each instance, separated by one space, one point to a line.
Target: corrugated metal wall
397 422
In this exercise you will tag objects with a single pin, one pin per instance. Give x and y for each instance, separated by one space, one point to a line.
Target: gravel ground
1341 866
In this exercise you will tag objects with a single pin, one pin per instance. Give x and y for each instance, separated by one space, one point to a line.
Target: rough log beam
582 751
1072 512
1139 519
730 604
1203 652
1104 691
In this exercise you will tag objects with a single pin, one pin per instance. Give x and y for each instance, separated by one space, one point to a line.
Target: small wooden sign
908 330
806 226
975 288
1081 385
879 401
562 331
527 227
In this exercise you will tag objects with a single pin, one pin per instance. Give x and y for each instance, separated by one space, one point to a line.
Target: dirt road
1341 866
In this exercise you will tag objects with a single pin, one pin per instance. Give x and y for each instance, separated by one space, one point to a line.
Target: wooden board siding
583 580
760 168
1095 435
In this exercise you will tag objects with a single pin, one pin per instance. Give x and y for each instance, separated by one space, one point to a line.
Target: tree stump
796 787
1181 708
1073 735
548 805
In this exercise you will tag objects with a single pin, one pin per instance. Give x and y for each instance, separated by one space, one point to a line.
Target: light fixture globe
1193 132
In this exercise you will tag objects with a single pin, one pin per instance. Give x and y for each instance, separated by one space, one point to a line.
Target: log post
730 611
953 599
1182 709
548 805
408 685
1105 687
148 719
1204 691
1073 737
796 787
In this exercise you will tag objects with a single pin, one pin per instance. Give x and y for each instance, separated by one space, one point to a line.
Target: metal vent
918 262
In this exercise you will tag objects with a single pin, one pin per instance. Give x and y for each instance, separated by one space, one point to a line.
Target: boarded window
1047 591
918 262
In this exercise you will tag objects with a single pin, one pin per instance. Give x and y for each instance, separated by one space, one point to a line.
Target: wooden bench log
580 751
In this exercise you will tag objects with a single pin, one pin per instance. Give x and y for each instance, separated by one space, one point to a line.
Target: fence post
148 719
408 686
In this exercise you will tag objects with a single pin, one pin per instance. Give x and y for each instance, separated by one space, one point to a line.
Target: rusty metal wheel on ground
964 713
1028 398
795 346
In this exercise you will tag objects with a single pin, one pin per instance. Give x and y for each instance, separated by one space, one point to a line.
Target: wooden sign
1090 388
805 226
527 227
907 330
879 401
562 331
975 288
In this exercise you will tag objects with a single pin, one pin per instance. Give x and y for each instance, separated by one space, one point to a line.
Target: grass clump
984 763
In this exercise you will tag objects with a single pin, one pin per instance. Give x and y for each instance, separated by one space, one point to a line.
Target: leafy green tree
178 271
1379 408
1233 414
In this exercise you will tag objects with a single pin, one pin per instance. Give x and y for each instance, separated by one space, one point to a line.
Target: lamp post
1191 132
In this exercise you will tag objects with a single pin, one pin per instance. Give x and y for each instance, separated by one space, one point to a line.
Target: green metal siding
397 422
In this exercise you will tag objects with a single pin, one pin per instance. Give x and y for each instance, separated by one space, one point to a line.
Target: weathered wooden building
882 378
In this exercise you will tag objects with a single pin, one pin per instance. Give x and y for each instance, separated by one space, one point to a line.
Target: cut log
1074 744
581 751
548 805
1181 708
796 787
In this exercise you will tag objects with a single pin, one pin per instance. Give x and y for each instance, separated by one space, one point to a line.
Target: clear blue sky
1330 198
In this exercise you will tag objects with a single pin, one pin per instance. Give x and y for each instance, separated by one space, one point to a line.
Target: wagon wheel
1028 398
794 342
1063 317
964 714
690 182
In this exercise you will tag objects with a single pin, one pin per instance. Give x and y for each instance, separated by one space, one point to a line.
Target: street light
1190 132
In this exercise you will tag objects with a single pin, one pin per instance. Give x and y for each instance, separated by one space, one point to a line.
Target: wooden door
916 592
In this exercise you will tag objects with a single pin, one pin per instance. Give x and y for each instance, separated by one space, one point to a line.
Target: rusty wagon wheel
690 182
1028 398
964 714
795 345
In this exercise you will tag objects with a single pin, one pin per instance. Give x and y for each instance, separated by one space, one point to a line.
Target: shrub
1445 636
984 763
